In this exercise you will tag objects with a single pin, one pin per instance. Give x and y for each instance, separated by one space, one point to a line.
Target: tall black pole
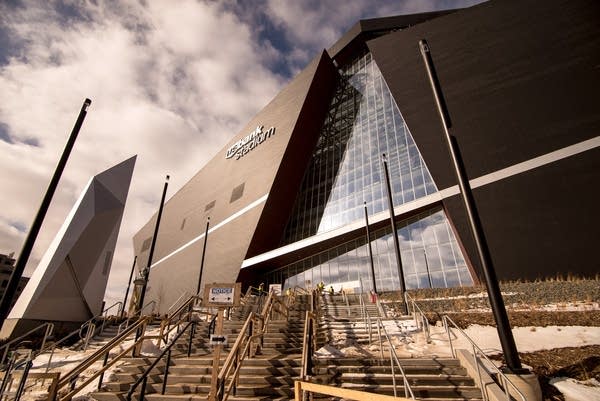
17 272
368 232
498 308
128 285
427 267
146 272
203 253
394 230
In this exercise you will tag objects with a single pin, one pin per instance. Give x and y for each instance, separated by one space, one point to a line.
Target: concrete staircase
433 379
269 375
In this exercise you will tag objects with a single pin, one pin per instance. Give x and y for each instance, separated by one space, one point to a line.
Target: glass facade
346 171
362 123
430 256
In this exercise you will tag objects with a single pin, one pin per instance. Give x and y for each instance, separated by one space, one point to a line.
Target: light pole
394 230
427 267
203 253
370 249
17 272
146 272
493 288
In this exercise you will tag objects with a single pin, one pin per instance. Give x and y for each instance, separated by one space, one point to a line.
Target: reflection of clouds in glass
426 242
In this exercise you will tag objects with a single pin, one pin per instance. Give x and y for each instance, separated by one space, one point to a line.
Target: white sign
276 288
221 295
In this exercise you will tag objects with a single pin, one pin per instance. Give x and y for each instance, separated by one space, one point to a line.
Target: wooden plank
344 392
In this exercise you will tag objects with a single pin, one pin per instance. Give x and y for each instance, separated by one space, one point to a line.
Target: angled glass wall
431 257
363 122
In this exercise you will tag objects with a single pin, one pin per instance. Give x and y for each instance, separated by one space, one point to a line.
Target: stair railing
49 327
394 361
309 343
175 305
482 361
255 326
143 379
13 365
70 378
418 315
175 319
90 325
153 303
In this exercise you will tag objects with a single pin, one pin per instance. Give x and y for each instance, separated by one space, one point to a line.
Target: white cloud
169 81
158 76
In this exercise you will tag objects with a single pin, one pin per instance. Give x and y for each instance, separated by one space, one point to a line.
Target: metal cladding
522 98
69 283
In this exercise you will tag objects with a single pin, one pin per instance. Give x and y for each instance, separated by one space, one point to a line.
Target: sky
171 81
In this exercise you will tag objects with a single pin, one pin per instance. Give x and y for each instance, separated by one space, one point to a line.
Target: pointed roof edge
367 29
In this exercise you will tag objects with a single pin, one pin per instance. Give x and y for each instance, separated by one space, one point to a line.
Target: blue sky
170 80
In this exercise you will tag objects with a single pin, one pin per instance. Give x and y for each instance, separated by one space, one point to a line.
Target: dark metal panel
540 223
520 79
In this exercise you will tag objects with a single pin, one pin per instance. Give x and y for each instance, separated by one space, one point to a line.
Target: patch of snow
329 351
530 339
575 390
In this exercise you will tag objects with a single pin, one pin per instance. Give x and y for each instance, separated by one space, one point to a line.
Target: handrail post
143 389
394 375
23 380
189 351
102 374
7 375
165 377
48 332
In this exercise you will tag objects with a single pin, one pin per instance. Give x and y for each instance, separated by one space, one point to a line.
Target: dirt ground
581 363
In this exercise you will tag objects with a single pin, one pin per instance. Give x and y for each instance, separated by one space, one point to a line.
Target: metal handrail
505 383
422 321
309 344
394 359
181 313
49 328
70 377
392 351
153 303
185 294
233 362
143 379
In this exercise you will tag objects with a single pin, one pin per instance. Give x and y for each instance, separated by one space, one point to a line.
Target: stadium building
286 196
